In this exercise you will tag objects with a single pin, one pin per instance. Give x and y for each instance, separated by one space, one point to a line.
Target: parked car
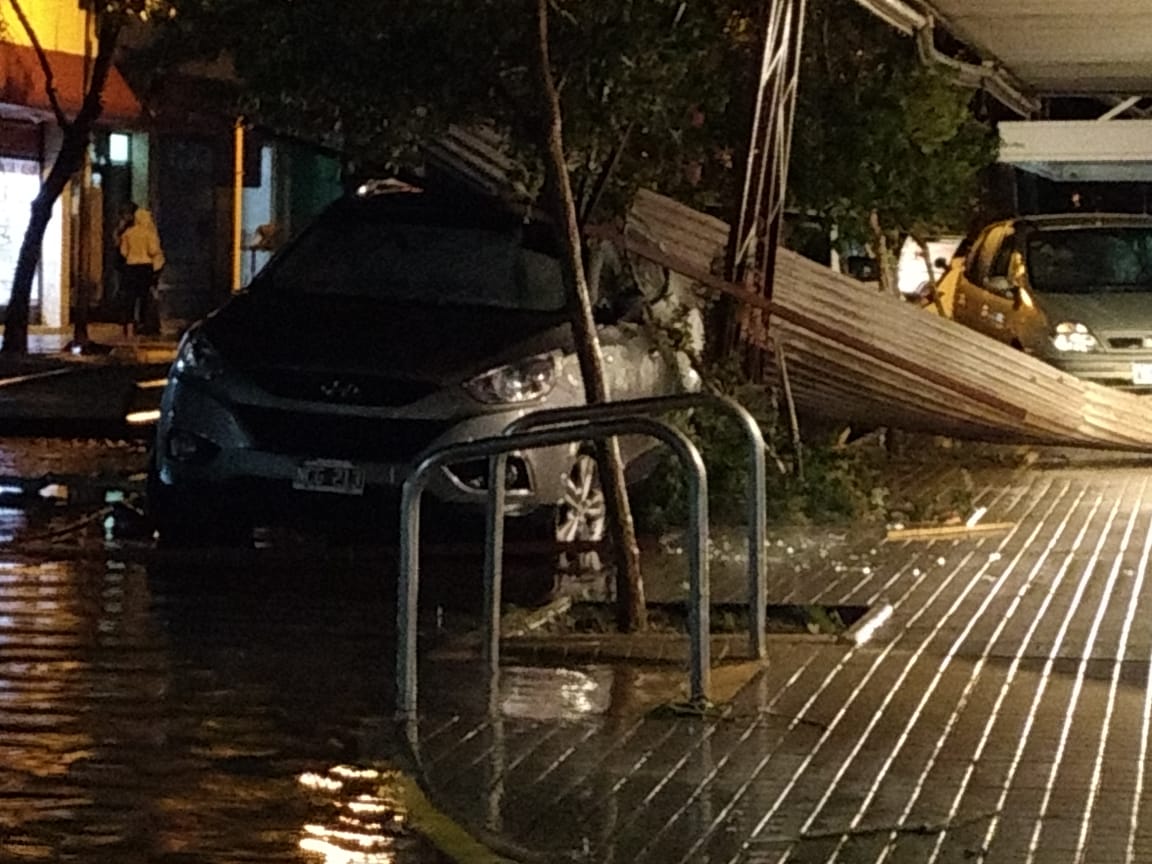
399 320
1074 290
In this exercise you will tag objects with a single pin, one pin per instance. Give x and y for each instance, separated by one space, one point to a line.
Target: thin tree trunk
83 287
631 610
883 256
931 268
68 161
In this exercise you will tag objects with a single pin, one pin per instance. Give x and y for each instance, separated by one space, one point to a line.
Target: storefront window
19 185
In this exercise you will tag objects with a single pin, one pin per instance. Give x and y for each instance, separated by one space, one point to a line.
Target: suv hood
435 344
1100 313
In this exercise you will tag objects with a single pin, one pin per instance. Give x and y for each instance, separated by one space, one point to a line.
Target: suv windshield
1091 260
460 265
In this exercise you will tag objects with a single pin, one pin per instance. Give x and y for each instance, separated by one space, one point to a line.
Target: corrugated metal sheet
477 156
855 355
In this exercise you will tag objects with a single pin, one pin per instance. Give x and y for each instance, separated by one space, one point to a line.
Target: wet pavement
143 721
185 712
1002 714
240 709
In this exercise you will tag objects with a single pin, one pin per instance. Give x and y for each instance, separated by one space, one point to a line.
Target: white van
912 270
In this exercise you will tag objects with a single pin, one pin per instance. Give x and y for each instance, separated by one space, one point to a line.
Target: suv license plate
1142 373
325 475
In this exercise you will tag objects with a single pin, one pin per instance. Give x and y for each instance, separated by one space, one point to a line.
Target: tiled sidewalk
1002 715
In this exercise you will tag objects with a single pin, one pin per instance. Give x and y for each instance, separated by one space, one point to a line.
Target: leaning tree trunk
930 266
67 163
631 610
69 160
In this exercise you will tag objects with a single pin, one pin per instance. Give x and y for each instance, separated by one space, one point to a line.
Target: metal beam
910 20
755 233
1119 109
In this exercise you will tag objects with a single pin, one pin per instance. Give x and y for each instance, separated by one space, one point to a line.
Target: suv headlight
1073 336
197 357
522 381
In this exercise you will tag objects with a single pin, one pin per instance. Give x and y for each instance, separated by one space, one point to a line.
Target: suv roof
1082 220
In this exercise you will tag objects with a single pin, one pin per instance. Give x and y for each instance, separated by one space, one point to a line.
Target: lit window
119 148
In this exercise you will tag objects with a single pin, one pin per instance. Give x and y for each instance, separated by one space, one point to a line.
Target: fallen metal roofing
859 356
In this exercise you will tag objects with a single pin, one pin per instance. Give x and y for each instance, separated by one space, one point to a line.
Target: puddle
726 618
574 693
574 664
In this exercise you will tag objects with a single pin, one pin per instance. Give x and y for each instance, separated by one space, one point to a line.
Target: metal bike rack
756 492
408 587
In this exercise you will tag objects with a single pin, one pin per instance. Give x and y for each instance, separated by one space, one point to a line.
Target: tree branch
106 38
920 828
45 66
606 172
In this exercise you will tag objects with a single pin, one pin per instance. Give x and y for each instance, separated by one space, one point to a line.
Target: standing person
143 261
125 214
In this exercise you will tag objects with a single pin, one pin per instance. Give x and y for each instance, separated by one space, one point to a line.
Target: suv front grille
337 436
342 388
1130 343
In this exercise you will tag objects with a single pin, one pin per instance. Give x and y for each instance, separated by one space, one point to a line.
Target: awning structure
1060 47
22 85
859 356
1080 150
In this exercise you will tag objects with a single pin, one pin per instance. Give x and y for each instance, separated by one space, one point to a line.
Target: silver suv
1074 290
399 320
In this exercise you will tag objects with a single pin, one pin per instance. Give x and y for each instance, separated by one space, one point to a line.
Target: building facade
220 209
72 252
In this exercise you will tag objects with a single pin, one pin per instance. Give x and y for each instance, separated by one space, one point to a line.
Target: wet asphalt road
184 711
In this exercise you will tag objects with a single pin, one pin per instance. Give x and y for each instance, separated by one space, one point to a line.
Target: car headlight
522 381
1073 336
197 357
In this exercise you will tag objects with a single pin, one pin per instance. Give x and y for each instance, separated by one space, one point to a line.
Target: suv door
998 298
966 306
985 296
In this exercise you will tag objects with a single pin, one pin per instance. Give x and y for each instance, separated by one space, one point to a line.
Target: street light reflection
367 804
142 418
370 822
316 781
337 855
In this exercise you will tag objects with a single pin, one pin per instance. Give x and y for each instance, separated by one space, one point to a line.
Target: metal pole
408 596
700 588
756 490
494 559
409 577
757 508
755 232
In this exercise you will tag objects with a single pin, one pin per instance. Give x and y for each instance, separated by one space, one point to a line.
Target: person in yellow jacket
143 260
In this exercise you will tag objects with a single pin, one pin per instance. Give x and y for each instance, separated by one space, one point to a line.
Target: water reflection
538 693
144 720
13 521
76 668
